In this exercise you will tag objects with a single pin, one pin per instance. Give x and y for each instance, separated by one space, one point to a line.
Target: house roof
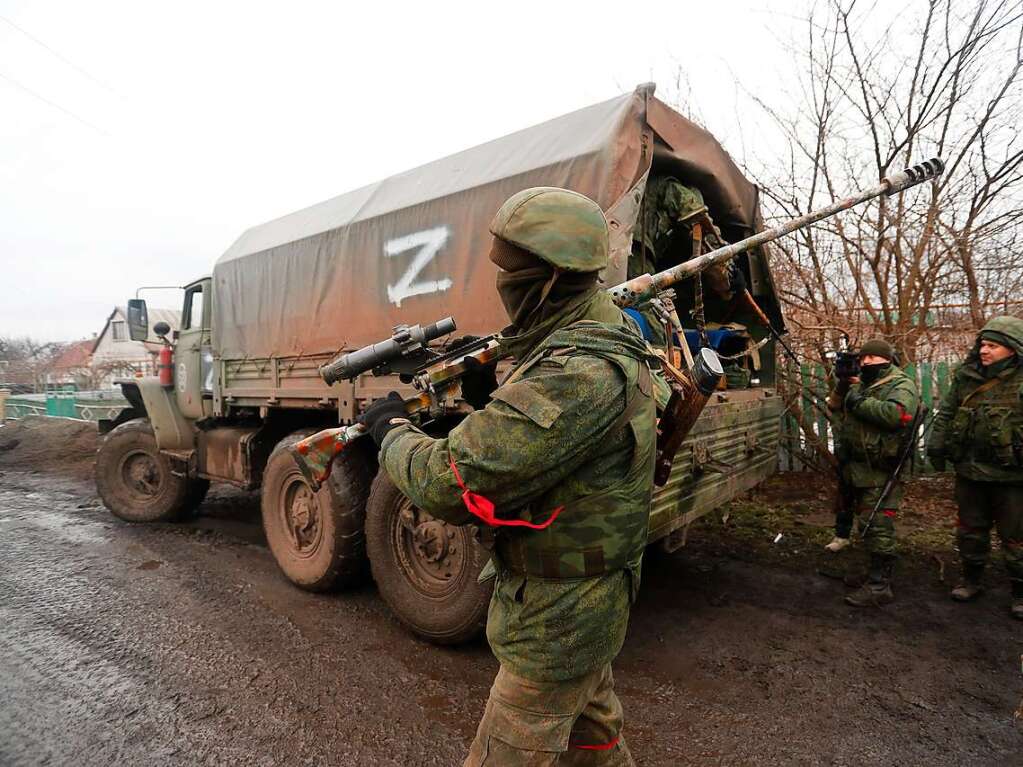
75 355
171 316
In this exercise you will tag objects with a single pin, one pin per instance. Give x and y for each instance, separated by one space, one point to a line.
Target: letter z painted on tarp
429 242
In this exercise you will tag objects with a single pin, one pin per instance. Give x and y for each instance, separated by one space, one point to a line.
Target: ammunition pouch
1000 431
958 435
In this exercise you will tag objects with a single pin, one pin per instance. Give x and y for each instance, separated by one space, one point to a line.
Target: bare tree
941 78
25 362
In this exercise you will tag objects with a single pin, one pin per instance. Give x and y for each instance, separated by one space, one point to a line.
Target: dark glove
378 416
853 400
478 382
937 459
736 278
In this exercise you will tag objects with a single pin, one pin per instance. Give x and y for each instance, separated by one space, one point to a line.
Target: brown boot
969 586
877 590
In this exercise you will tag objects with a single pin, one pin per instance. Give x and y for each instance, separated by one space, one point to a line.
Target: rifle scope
407 340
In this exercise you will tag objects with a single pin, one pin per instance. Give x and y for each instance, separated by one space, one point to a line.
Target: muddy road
182 644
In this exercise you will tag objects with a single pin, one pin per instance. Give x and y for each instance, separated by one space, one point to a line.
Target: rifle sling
986 386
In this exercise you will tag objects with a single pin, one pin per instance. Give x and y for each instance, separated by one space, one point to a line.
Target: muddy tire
137 483
317 537
425 569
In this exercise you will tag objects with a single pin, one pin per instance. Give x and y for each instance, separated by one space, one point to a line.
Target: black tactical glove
736 278
378 416
853 400
479 380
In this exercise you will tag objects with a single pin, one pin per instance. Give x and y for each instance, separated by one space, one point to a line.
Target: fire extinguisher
165 365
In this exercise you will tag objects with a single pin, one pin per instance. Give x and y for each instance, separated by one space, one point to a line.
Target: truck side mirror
138 320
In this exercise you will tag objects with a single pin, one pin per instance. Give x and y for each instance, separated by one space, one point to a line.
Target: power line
66 60
53 104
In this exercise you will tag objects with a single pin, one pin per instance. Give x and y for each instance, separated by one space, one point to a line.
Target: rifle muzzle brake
923 171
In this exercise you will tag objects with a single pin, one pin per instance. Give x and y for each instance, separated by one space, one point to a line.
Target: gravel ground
182 644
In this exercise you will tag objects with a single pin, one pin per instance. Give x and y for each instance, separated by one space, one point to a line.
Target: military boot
969 587
877 590
1017 600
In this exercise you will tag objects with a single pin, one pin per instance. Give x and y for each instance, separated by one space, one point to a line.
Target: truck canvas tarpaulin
413 247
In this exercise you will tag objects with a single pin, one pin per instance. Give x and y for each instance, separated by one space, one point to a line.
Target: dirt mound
53 445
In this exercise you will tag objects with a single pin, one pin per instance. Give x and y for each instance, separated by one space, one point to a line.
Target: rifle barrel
644 287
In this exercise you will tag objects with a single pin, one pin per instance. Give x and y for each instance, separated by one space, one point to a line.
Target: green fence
84 406
800 448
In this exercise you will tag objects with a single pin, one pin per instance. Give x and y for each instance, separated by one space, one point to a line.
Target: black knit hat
878 347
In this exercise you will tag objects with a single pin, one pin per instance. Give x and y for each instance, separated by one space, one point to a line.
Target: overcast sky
139 139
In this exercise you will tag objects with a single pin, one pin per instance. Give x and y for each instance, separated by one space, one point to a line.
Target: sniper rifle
435 374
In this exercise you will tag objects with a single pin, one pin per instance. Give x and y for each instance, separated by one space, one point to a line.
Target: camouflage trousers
983 505
572 722
856 503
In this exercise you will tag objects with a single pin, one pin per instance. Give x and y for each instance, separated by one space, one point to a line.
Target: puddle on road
152 564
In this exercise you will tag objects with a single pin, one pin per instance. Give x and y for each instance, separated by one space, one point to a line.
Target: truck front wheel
137 482
316 536
425 569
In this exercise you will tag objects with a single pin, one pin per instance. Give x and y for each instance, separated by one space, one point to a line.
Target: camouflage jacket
980 424
870 435
548 439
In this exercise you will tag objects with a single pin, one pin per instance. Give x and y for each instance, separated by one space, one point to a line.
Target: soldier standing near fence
874 414
565 451
980 429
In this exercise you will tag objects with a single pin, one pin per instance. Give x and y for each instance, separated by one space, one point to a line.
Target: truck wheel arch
148 399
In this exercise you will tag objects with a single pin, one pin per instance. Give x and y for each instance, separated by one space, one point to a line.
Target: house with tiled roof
73 365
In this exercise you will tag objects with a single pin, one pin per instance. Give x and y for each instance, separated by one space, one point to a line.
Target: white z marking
428 242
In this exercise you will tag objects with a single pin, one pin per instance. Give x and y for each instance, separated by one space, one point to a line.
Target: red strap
600 747
483 508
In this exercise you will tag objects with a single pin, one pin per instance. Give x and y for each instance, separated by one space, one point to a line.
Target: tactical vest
607 530
864 442
987 427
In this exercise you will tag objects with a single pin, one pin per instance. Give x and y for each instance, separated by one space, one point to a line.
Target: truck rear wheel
425 569
138 483
316 537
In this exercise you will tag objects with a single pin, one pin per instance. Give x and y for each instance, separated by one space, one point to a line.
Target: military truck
239 381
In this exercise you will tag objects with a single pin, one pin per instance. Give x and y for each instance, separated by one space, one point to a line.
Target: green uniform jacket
870 434
543 441
981 432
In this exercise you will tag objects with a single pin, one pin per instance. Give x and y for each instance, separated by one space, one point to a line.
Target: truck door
193 356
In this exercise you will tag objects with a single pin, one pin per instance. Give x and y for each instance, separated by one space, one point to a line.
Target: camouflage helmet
1005 330
562 227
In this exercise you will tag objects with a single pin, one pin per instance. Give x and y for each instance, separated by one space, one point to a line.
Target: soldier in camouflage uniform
875 412
564 450
980 429
662 239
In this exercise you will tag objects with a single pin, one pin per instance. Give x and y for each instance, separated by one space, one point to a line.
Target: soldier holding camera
875 405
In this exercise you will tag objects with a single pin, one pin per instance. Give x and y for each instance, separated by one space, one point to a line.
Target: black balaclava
537 297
